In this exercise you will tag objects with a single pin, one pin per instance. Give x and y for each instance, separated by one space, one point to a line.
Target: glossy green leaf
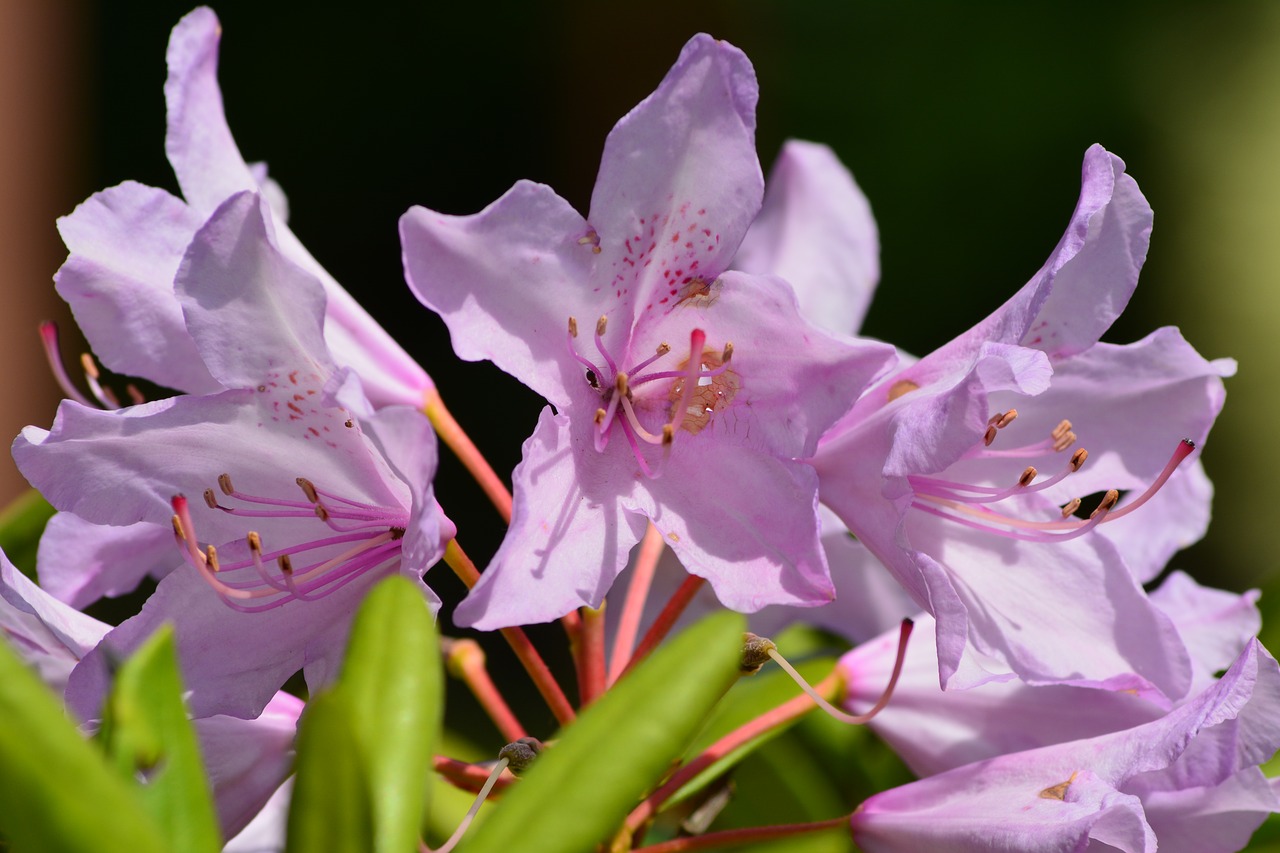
21 523
393 679
147 735
810 652
330 809
579 790
783 783
56 791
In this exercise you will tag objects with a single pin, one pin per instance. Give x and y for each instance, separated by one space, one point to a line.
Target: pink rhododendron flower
682 393
935 730
308 503
934 475
1188 781
127 242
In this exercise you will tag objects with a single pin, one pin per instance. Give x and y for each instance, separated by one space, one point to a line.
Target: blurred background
964 123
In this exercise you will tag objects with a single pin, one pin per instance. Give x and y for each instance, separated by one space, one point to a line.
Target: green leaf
756 695
56 792
580 789
330 808
21 523
393 679
147 735
782 783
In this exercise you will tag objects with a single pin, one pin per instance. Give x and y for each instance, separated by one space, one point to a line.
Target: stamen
224 483
49 340
308 489
904 634
209 499
573 326
691 370
601 325
211 557
727 353
1027 476
945 500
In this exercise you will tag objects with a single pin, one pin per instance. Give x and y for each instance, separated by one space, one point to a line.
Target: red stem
452 434
517 639
732 837
658 630
589 655
468 777
766 722
633 607
467 661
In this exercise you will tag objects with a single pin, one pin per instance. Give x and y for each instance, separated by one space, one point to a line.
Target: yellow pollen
211 557
255 541
902 386
600 413
620 383
177 528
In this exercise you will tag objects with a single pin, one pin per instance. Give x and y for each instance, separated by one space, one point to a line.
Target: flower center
969 505
699 386
364 537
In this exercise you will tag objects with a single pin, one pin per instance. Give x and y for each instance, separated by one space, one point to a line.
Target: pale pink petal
506 281
816 231
572 524
79 562
125 246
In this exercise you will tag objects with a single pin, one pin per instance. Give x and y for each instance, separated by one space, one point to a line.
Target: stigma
647 403
334 541
976 506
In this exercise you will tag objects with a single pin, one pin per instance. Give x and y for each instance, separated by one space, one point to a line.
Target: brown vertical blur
42 125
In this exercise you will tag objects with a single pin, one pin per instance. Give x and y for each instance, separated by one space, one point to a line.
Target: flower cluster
713 418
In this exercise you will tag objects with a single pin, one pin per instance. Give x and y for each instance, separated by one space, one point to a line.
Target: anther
521 753
573 327
1108 502
1061 443
209 499
1078 458
89 366
668 435
989 436
285 564
1071 507
1061 429
308 489
321 512
177 528
601 325
620 383
254 541
211 557
1027 476
728 352
224 483
600 414
755 653
1003 420
663 348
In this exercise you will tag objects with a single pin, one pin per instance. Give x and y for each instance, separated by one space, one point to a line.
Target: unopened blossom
1188 781
961 471
935 730
127 242
246 760
297 504
683 394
